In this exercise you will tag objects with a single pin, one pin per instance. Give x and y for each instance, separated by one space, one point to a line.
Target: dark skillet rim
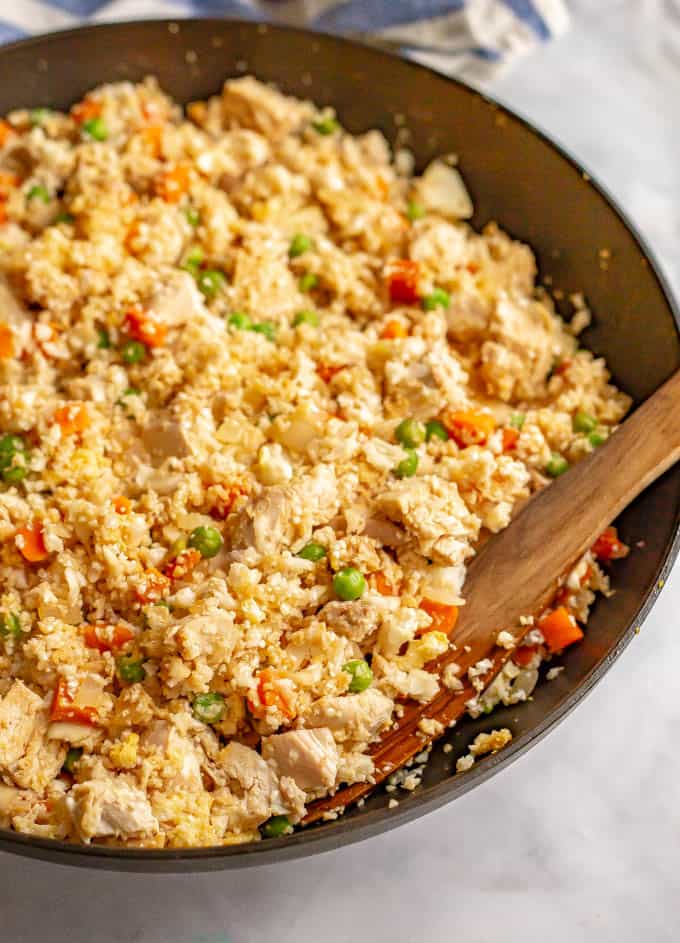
341 832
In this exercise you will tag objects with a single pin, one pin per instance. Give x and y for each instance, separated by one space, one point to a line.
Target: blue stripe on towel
364 15
526 11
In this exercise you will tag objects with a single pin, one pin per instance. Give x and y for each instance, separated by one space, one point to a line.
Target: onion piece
441 190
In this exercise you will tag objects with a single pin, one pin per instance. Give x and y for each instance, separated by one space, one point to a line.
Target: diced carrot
402 281
31 543
183 564
559 629
273 690
122 505
469 428
6 342
8 181
443 617
73 419
172 184
142 326
609 547
86 110
380 582
3 213
222 498
328 371
394 330
6 132
524 654
472 268
510 438
382 186
153 139
153 586
63 708
106 637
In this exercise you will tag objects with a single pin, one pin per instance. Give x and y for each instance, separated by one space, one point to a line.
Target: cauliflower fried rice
262 394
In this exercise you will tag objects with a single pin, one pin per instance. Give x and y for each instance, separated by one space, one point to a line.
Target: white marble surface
579 839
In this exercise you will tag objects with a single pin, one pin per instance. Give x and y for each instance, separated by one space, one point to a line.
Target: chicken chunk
286 515
359 619
310 757
103 808
165 438
262 794
211 637
247 103
42 759
19 710
182 770
434 514
178 301
356 717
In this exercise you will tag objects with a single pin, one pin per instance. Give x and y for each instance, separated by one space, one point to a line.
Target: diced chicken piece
14 316
384 531
232 156
165 438
103 808
211 637
247 103
441 190
517 357
178 301
19 710
286 515
262 793
356 717
310 757
359 619
434 514
183 767
416 386
42 759
11 800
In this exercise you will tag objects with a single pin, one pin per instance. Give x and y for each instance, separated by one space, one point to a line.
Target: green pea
104 341
325 126
312 551
415 211
597 438
557 465
306 317
408 466
276 826
38 115
193 260
15 474
299 244
584 422
266 328
130 669
209 708
10 625
361 673
13 447
96 129
133 352
349 584
207 540
434 429
436 299
410 433
64 218
210 283
193 216
240 320
308 281
71 760
517 420
38 192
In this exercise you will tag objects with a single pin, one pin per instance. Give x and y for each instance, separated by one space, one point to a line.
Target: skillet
539 194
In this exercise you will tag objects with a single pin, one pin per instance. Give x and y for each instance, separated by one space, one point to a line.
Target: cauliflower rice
262 393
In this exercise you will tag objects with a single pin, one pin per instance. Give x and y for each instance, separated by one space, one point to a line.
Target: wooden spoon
517 572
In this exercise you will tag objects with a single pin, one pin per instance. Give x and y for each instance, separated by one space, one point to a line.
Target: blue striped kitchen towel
473 38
